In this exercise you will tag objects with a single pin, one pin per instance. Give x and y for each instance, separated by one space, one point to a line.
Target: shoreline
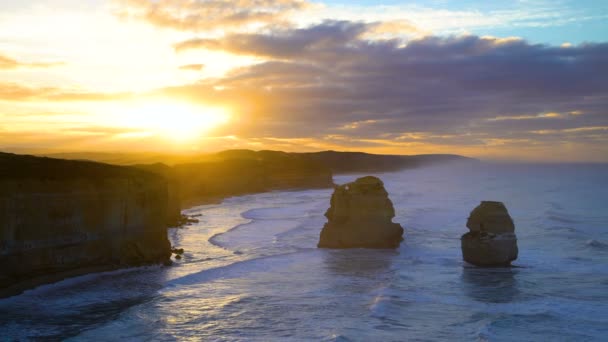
36 282
212 200
48 279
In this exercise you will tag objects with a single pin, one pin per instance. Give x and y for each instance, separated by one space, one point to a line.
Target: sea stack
360 216
491 241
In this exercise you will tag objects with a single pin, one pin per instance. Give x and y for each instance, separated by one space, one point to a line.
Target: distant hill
234 173
15 166
238 172
337 162
359 162
126 158
205 178
348 162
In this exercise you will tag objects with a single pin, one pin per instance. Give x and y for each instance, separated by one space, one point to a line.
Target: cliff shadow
491 285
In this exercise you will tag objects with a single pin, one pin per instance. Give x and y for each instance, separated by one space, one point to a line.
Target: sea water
252 272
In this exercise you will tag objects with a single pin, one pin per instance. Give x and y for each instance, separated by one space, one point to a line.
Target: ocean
252 272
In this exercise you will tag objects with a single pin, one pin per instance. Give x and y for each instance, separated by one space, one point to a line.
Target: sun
173 120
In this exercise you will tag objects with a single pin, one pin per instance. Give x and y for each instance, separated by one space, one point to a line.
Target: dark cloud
286 43
318 80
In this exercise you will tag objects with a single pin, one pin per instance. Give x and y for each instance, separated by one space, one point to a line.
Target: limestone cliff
213 181
208 178
174 205
62 218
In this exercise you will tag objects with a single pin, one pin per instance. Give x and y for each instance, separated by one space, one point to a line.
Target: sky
498 80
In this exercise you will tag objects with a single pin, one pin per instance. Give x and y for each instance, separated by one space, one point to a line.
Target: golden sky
294 75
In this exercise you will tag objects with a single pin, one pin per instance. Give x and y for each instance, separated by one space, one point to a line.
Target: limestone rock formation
62 218
491 240
361 216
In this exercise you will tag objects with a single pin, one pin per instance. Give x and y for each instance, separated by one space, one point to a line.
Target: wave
561 217
274 217
214 239
234 270
292 211
337 338
75 281
595 244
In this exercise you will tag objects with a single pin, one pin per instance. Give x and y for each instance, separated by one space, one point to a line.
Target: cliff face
63 218
211 177
174 206
212 181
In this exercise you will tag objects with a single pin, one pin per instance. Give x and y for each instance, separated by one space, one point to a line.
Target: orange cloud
10 63
550 115
187 15
17 92
192 67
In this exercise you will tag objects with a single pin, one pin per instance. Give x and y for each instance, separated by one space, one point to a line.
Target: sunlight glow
173 120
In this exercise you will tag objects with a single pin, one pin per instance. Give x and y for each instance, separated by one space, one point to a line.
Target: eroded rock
491 217
491 241
361 216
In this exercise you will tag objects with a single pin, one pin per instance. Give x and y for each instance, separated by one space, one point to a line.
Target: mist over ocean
252 272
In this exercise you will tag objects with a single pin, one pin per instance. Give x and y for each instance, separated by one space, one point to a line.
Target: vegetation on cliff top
13 166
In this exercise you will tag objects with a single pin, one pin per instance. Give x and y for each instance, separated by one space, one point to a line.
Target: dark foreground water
251 271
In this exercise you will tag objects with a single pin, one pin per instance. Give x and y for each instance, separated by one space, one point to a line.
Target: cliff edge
61 218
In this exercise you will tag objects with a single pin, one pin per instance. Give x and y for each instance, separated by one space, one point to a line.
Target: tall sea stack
491 241
361 216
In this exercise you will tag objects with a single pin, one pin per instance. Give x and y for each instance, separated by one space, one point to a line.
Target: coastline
36 282
219 199
129 212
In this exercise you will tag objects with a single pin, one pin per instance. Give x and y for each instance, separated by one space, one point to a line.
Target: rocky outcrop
491 240
64 218
361 216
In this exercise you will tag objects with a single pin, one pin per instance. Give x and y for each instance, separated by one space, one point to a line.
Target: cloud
551 115
7 63
18 92
331 78
192 67
285 43
204 15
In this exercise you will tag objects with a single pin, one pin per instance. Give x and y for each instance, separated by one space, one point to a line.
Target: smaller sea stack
361 216
491 241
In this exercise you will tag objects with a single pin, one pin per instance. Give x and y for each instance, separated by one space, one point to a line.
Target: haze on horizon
524 80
